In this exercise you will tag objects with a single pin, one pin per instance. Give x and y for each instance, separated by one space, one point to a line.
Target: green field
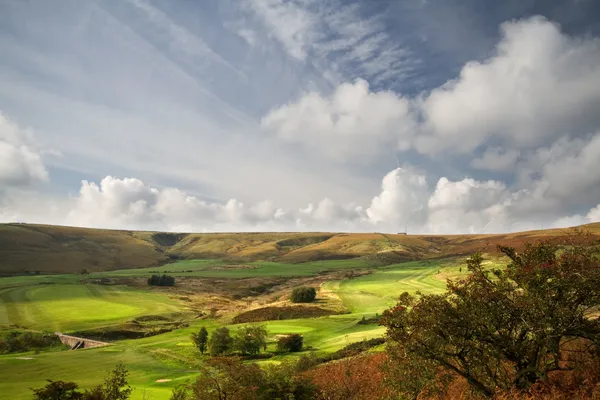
375 292
220 269
68 305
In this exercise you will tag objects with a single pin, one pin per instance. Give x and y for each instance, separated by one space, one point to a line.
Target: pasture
229 270
68 305
373 293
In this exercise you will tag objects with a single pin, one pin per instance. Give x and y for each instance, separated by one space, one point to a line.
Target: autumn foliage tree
229 378
504 329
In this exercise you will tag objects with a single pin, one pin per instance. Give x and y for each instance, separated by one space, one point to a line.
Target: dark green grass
220 269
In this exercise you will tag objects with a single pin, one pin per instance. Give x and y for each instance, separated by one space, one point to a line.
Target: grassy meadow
43 288
63 303
72 307
230 270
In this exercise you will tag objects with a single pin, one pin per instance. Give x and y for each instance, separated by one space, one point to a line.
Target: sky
436 116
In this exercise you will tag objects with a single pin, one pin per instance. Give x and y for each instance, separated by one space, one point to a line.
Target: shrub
360 378
161 280
366 321
115 387
58 390
231 378
18 341
354 349
303 295
220 342
290 343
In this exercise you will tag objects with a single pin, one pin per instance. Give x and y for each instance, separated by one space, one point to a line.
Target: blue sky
450 115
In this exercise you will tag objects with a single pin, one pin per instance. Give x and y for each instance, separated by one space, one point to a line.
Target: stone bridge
78 342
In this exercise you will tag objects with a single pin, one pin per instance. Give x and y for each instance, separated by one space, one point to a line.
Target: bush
303 294
231 378
290 343
115 387
58 390
18 341
161 280
367 321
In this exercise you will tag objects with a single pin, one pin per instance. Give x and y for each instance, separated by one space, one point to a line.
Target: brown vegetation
278 313
68 249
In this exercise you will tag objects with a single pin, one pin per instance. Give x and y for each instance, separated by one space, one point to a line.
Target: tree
115 384
411 376
58 390
290 343
250 339
504 329
115 387
200 339
179 393
303 294
284 381
220 342
228 378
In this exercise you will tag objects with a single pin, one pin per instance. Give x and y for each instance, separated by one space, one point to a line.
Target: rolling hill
57 249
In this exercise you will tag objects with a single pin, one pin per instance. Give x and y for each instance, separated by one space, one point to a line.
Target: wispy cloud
347 40
178 94
180 37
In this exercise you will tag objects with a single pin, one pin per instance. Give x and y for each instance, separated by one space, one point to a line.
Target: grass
220 269
61 249
70 307
88 368
60 302
374 293
167 356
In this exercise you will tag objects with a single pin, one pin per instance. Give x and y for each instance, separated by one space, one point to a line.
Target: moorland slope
60 249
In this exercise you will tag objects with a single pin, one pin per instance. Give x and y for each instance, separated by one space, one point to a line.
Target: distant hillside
25 247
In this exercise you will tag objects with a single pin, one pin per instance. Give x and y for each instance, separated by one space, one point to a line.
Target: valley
149 327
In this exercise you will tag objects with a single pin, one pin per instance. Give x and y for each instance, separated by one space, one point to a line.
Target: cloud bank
522 126
539 86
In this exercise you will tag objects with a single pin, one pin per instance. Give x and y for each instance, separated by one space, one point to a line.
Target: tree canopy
501 329
220 342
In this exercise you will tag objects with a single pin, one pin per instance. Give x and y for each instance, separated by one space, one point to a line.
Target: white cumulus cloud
470 205
351 122
21 162
403 199
540 85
